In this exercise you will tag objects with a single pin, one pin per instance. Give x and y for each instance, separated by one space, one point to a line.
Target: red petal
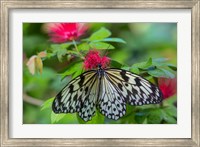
167 86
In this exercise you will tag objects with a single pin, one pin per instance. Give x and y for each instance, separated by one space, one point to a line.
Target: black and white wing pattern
111 101
135 89
79 95
120 87
106 89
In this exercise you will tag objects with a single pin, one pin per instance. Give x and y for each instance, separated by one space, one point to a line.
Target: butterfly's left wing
79 95
134 88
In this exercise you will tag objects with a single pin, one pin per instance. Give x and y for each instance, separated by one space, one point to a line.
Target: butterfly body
108 90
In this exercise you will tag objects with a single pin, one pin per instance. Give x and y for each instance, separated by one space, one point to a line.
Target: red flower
167 86
62 32
93 59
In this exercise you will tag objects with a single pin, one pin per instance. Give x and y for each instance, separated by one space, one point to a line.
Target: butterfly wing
79 95
111 101
111 90
135 89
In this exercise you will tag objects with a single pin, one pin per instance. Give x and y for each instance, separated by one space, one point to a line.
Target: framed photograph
97 73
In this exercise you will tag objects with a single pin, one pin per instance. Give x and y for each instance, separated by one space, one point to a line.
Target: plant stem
76 48
32 100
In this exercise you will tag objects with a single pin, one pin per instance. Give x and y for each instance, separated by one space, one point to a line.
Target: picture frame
6 6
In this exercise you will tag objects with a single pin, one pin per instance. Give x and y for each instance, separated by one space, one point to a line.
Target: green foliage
47 104
140 117
143 65
101 45
72 70
155 68
56 117
125 44
100 34
60 50
119 40
98 40
171 110
156 115
34 43
134 70
84 47
45 79
159 72
168 119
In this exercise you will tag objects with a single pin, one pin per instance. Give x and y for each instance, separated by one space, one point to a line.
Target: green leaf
173 67
119 40
59 51
60 46
125 68
73 52
171 100
49 55
66 45
55 47
69 118
74 69
135 70
140 117
143 65
150 78
171 110
115 64
168 118
101 45
162 62
168 73
161 73
100 34
56 117
78 72
47 104
155 116
68 72
83 47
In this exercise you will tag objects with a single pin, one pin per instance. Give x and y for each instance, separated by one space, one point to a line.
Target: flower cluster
93 59
62 32
167 86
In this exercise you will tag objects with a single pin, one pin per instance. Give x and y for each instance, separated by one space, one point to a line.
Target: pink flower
93 59
62 32
167 86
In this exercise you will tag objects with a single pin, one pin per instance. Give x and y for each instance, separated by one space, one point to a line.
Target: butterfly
108 90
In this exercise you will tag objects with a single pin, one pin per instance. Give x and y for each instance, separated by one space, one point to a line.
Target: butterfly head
99 66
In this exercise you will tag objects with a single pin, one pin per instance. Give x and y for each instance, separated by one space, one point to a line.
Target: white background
180 130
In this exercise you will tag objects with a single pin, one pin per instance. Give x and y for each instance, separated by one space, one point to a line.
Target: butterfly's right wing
79 95
134 88
120 87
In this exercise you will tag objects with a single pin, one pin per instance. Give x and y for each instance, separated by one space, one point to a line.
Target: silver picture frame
7 5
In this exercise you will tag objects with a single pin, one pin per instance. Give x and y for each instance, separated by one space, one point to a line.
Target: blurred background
144 40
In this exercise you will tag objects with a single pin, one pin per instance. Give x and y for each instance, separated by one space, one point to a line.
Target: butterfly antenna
106 52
